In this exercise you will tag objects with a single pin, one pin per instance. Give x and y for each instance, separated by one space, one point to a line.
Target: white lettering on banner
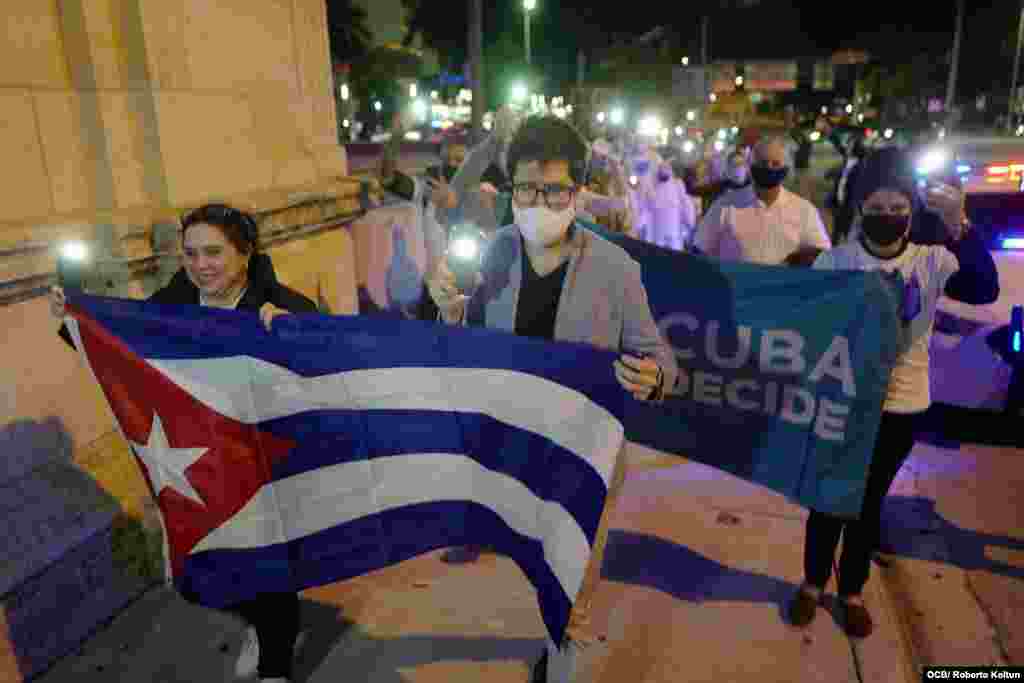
771 400
835 363
778 352
674 320
742 355
707 388
785 345
791 410
799 406
831 422
732 394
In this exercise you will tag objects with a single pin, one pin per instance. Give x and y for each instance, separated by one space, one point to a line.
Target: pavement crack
1004 653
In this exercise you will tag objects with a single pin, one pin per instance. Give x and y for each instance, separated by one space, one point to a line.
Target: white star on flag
166 465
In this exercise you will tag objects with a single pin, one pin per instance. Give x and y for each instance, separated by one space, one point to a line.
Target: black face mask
885 230
768 178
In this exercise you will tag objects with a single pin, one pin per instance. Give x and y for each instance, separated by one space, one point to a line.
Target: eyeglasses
556 195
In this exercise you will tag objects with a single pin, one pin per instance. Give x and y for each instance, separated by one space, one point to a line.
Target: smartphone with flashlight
465 255
71 267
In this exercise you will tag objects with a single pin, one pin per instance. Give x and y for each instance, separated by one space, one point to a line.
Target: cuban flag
334 446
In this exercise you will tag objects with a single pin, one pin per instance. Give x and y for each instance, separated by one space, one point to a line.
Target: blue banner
783 370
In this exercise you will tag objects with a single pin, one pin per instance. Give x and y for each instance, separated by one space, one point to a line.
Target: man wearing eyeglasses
546 277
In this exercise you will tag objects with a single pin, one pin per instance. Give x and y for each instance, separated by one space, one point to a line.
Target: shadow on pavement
911 527
368 658
646 560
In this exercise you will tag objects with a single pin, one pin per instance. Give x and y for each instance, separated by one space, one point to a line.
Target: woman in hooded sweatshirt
886 202
224 269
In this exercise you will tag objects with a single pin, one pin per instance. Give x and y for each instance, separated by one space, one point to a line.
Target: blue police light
1016 327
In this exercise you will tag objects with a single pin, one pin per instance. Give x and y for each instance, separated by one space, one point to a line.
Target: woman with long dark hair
886 201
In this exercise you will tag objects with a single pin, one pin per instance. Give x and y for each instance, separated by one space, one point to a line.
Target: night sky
777 29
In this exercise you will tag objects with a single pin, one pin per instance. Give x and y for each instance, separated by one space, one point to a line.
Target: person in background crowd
672 212
737 176
800 137
606 198
762 223
223 268
962 268
747 140
477 192
567 284
845 180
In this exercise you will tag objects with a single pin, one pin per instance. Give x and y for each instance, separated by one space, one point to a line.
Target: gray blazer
603 301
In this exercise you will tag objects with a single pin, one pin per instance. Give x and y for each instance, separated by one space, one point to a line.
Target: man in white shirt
671 210
762 223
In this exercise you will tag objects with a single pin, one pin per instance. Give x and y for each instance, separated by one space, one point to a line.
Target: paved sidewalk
698 570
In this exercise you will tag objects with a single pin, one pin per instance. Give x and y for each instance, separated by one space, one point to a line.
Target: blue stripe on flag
314 345
219 578
550 471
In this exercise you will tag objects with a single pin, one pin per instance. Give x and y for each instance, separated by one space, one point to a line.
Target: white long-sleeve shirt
671 215
740 227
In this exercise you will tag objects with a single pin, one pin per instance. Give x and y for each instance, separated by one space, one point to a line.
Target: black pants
275 616
860 537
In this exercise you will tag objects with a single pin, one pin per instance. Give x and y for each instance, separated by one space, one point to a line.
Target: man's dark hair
549 138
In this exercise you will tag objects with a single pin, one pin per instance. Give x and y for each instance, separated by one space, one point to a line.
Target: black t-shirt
538 301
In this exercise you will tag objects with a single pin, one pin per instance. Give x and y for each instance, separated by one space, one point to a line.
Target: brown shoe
857 620
803 608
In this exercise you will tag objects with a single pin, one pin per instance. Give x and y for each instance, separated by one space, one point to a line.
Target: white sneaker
249 657
558 664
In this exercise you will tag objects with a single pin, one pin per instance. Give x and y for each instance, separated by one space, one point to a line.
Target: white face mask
542 226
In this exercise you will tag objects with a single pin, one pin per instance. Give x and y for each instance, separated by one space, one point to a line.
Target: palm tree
350 35
441 29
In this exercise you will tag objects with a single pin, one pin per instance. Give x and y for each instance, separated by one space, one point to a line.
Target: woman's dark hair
888 168
549 138
239 227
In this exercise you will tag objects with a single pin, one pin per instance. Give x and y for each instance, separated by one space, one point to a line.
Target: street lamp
691 115
519 92
600 117
686 61
849 109
377 106
344 92
528 6
739 81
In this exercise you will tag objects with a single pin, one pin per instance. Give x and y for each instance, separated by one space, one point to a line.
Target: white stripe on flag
251 391
323 498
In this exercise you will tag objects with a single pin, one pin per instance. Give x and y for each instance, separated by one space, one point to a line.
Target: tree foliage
348 31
